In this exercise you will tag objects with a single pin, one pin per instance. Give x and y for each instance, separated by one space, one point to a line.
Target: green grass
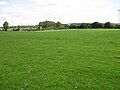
60 60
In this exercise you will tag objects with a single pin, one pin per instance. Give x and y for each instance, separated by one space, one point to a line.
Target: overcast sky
28 12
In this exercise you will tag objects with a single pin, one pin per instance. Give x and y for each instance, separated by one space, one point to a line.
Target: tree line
94 25
50 25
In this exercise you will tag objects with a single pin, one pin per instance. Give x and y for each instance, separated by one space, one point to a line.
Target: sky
31 12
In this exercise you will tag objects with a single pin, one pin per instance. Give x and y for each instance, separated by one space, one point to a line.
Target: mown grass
64 60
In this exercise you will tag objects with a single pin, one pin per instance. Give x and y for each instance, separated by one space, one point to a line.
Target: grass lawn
60 60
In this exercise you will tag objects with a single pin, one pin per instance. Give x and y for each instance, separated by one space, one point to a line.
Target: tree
85 25
40 26
97 25
117 26
107 25
18 27
65 26
50 25
58 25
5 25
75 25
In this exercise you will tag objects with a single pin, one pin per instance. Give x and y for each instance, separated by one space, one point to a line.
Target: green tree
85 25
18 27
97 25
75 25
58 25
5 25
49 25
65 26
107 25
117 26
41 25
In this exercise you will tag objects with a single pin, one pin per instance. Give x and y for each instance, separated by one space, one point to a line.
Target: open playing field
60 60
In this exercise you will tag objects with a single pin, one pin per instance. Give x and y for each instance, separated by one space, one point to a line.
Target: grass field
60 60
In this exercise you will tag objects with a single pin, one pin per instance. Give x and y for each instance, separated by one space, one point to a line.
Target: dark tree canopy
50 25
5 25
18 27
97 25
85 25
58 25
107 25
